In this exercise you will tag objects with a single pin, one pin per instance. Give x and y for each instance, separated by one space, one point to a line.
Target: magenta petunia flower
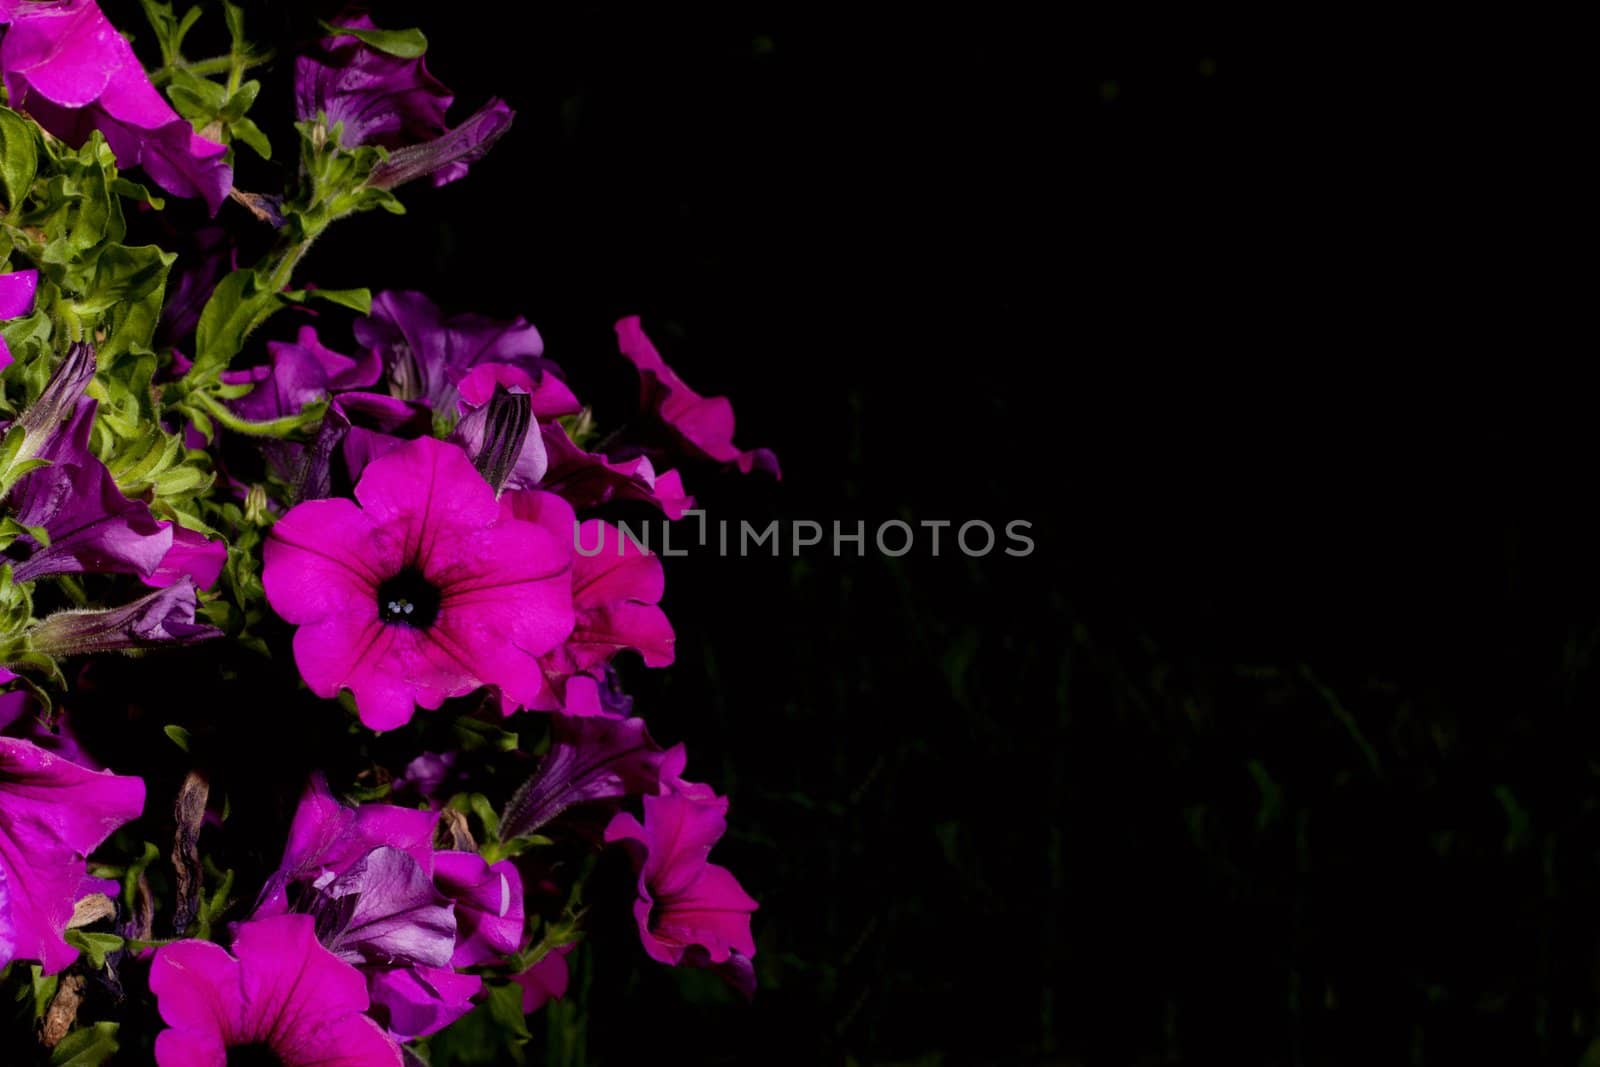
546 980
69 68
588 479
488 906
16 300
405 915
425 353
427 590
701 425
192 555
280 997
616 590
53 813
684 901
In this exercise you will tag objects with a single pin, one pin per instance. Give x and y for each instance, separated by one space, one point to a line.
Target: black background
1280 747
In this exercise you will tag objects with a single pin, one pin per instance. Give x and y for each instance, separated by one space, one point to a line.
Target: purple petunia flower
298 373
16 300
590 759
688 909
406 915
164 617
376 98
92 527
392 101
280 997
427 590
425 353
69 68
53 813
192 555
701 426
523 460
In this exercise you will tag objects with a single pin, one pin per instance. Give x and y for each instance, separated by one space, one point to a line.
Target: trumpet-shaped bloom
280 997
684 901
425 353
69 68
376 98
424 590
701 425
53 813
383 99
405 915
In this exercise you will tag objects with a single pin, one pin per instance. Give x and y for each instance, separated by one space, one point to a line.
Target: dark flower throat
408 599
258 1054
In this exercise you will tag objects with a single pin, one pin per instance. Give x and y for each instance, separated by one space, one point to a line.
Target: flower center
256 1054
408 599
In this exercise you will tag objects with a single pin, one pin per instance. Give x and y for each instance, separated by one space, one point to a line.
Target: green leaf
407 44
354 299
88 1047
19 157
238 305
178 734
44 990
248 133
94 945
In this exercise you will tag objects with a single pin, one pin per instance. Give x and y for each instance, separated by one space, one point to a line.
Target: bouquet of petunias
311 729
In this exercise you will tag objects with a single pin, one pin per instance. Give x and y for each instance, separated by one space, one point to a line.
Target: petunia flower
405 915
69 68
488 906
16 300
509 451
90 526
425 353
588 479
685 903
446 158
545 980
328 837
423 589
298 373
701 426
590 760
376 98
192 555
279 998
53 813
164 617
